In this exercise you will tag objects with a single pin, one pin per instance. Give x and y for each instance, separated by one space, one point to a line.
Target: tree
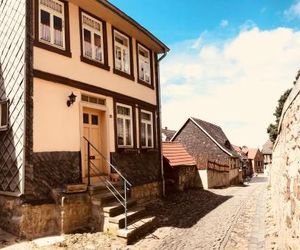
272 130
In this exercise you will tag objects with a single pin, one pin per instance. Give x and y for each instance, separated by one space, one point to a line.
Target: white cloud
224 23
235 85
293 11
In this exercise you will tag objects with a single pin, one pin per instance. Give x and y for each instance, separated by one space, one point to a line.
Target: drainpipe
159 122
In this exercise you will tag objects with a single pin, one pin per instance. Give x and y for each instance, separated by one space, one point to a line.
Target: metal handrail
109 185
111 165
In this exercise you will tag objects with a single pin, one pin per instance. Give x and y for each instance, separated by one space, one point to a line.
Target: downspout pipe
159 121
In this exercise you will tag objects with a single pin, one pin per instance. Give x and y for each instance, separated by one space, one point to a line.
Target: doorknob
92 157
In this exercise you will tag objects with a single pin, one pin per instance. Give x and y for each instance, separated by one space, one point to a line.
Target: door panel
92 131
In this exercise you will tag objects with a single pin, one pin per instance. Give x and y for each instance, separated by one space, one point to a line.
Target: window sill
94 63
123 74
45 46
149 85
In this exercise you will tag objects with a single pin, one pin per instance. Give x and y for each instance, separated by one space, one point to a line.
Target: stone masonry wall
285 174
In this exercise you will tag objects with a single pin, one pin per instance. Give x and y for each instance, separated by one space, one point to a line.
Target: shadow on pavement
184 209
258 179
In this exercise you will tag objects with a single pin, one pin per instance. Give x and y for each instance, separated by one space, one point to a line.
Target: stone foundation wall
10 214
39 220
146 192
187 176
285 174
69 214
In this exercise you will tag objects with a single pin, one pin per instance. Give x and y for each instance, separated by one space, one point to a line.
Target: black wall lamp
72 99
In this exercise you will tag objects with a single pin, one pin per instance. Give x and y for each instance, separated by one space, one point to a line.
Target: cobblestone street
230 218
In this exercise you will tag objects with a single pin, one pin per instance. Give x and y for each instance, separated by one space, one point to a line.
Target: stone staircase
107 209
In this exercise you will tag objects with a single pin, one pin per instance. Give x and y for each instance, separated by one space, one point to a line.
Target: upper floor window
144 64
93 41
3 115
146 129
122 52
52 23
124 125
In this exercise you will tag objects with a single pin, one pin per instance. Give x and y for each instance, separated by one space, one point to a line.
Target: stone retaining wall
146 192
285 174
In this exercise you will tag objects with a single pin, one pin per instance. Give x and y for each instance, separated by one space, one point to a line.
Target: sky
230 60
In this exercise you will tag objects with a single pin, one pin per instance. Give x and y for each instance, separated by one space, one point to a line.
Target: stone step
99 187
106 197
115 208
133 214
137 229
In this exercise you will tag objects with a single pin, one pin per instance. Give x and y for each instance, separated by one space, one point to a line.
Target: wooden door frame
100 108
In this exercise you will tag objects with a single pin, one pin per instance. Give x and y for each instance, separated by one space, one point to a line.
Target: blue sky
229 63
173 21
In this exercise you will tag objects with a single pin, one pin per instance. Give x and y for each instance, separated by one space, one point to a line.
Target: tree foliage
272 130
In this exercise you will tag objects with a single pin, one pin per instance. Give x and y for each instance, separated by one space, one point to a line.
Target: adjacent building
72 74
256 159
217 161
167 134
267 153
244 162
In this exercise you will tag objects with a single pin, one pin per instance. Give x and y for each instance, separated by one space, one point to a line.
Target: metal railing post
125 201
89 164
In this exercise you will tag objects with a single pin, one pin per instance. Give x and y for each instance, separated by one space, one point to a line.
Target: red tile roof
252 153
176 155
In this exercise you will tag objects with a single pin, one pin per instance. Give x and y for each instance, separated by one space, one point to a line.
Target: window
144 64
122 52
92 38
124 126
51 23
146 129
3 115
91 99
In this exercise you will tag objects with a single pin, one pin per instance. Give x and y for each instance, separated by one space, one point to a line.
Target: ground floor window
124 126
146 129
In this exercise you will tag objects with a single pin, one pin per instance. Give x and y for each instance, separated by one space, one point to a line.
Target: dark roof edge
134 23
227 151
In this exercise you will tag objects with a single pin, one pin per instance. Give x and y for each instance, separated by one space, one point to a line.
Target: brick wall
285 174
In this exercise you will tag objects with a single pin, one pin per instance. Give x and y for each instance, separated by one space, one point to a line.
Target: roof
267 148
176 154
252 153
240 151
120 13
169 133
215 133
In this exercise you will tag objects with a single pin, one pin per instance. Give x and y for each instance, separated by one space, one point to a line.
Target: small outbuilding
180 168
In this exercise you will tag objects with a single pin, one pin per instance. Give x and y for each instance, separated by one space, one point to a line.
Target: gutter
159 122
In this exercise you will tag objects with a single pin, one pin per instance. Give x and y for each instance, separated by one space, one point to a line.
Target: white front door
92 132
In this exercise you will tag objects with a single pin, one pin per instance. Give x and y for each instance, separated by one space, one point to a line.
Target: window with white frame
144 64
124 125
51 23
122 52
3 115
92 33
146 129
